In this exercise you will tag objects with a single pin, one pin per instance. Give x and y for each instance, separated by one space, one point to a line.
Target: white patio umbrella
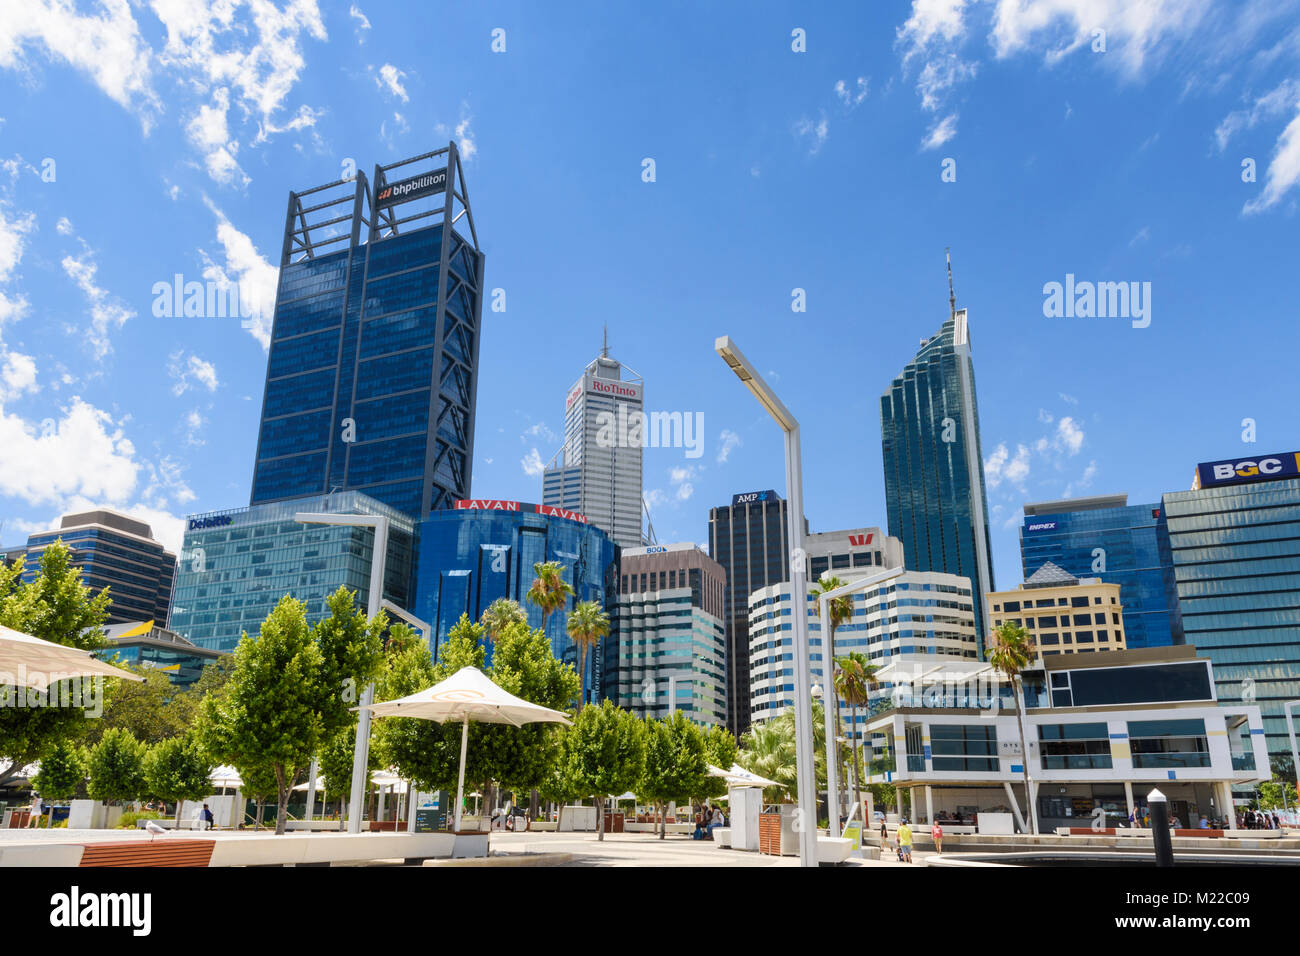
32 662
738 776
226 776
466 695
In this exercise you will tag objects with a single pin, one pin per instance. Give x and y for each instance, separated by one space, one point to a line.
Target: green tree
336 765
152 709
63 771
260 784
178 769
586 626
116 768
768 749
55 606
351 651
720 750
270 716
675 763
854 680
1010 655
499 615
605 752
549 591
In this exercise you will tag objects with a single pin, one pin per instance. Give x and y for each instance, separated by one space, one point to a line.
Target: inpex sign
1041 526
1244 471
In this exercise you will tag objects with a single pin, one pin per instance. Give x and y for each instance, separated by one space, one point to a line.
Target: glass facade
137 570
1128 546
934 467
237 565
371 379
750 538
1236 555
467 558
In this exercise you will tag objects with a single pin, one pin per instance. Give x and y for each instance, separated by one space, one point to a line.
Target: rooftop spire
604 343
952 297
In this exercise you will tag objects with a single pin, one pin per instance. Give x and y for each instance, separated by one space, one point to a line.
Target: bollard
1160 828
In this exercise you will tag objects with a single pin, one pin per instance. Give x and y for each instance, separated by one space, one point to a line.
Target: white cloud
17 375
363 23
64 226
246 266
390 79
852 96
106 311
1276 103
932 22
684 491
939 76
465 137
1045 416
191 372
1134 32
1068 399
1283 169
730 442
1002 467
817 131
1142 235
193 424
942 131
1070 435
538 430
83 453
532 464
210 135
400 127
655 497
107 47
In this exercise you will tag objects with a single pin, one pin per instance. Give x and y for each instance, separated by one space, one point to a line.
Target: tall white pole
460 782
829 711
361 752
803 724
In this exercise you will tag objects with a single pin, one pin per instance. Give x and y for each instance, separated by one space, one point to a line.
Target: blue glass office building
373 367
471 555
238 564
934 467
1236 549
1123 544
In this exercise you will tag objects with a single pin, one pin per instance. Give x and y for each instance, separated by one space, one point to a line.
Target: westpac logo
859 540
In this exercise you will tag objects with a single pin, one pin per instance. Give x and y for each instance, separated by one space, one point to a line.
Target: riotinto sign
426 184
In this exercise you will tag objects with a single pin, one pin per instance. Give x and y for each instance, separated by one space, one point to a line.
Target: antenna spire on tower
952 297
604 344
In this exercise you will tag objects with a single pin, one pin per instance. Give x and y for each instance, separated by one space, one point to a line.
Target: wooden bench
161 852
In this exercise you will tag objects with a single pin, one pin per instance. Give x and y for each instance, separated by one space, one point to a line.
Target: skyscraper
934 467
1236 551
598 472
750 538
1106 537
371 380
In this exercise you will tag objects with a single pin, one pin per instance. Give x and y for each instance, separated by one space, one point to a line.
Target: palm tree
549 592
1010 654
854 681
841 609
499 615
587 625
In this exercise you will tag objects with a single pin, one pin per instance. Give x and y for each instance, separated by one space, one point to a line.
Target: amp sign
1247 470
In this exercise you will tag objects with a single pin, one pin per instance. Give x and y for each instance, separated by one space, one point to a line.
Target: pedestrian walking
936 833
905 841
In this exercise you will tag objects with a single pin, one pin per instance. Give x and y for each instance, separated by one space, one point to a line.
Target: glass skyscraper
934 467
1236 553
117 552
238 564
750 538
470 555
1106 537
372 375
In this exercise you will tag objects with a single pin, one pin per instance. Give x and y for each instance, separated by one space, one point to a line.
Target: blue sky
140 140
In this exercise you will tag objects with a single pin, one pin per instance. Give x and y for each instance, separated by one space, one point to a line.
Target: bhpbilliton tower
373 371
934 467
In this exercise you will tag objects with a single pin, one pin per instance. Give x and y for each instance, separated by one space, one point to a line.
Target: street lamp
361 752
803 737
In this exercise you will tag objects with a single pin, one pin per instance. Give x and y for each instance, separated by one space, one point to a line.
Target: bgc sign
1247 470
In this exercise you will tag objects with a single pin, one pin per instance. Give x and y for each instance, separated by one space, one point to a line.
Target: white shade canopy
226 776
468 694
738 776
31 662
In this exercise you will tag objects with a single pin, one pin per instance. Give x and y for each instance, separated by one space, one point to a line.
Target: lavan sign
1247 470
492 504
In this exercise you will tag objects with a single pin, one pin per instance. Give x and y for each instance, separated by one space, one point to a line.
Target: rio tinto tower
598 472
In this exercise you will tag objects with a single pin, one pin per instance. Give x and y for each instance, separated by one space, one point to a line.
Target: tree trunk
1024 760
257 818
662 810
532 806
281 800
178 814
582 675
600 818
559 820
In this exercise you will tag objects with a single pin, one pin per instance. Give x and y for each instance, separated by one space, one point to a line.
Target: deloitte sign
214 521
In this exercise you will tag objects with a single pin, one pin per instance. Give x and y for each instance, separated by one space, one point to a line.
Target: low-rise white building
1101 731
